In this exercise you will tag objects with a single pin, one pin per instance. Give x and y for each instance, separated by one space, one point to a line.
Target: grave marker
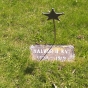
52 52
57 52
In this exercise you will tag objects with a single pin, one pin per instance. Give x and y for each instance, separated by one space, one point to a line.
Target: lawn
22 24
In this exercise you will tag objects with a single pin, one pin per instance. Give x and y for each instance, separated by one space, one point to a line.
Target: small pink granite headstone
55 52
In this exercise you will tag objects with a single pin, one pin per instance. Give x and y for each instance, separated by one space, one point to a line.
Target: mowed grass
22 24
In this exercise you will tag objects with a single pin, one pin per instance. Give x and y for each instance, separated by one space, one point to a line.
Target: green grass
22 24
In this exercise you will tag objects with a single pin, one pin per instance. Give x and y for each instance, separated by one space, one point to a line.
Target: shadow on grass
31 68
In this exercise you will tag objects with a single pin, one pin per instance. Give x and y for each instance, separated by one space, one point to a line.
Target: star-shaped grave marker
53 15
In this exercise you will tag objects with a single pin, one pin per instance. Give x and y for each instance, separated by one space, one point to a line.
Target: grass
22 24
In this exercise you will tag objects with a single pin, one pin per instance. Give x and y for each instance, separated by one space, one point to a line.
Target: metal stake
52 15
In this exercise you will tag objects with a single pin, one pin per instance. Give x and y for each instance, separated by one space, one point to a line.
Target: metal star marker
53 15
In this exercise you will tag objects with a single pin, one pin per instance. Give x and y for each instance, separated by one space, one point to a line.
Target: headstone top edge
71 46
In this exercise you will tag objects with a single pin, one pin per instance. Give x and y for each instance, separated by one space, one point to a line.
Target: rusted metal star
53 15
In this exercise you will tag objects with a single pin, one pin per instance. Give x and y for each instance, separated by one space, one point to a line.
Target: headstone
52 52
